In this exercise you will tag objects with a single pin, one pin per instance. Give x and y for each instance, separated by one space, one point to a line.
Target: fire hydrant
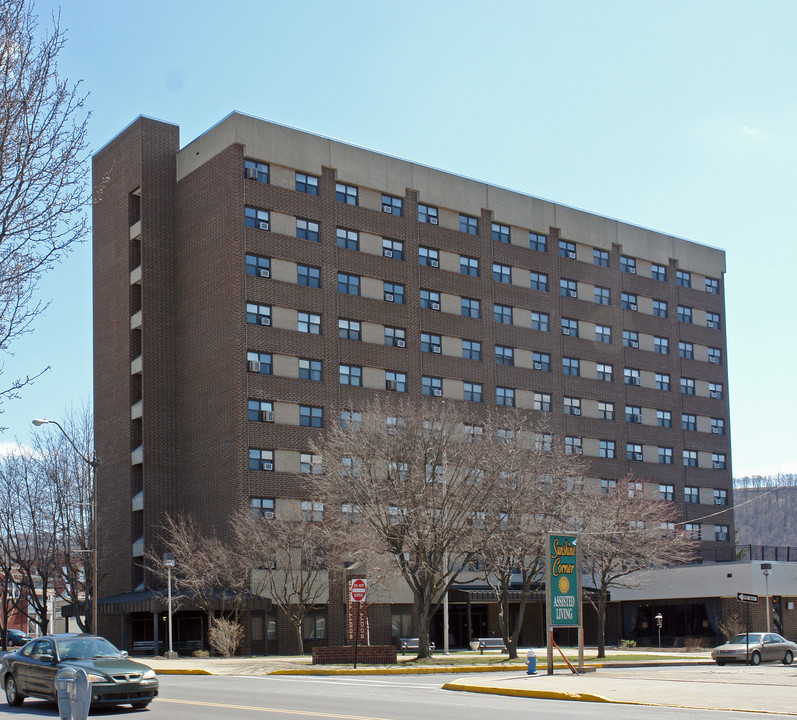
531 659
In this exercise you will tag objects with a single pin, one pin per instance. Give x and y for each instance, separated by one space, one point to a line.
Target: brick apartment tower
233 273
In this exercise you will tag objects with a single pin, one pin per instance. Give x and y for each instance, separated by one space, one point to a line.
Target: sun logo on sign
564 585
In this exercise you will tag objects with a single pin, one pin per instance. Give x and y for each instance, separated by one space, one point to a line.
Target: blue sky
677 116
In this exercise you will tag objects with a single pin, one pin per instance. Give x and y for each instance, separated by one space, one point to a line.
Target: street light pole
168 561
92 463
765 568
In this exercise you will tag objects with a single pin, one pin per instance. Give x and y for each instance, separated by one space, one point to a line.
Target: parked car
756 647
114 678
17 638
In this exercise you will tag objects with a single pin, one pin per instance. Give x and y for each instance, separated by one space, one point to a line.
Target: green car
114 678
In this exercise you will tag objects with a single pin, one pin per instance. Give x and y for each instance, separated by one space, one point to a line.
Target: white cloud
752 132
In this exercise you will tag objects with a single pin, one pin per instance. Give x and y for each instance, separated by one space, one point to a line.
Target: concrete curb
183 671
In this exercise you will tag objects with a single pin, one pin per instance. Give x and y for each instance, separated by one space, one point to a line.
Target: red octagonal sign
357 590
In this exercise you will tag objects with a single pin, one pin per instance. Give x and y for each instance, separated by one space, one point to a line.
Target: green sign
564 581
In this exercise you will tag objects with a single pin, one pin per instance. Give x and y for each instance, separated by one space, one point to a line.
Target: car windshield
742 639
79 648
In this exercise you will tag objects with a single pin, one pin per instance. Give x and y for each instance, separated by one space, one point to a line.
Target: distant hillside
766 509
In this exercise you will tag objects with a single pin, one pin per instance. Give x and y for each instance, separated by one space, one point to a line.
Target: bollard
531 659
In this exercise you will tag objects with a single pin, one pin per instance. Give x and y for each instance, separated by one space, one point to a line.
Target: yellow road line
283 711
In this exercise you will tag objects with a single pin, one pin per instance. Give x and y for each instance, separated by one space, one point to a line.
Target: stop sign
357 590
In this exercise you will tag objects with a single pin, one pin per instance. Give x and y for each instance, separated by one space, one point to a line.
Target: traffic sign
357 590
747 597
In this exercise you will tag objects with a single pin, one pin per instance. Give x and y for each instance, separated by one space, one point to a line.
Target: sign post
748 599
358 591
563 591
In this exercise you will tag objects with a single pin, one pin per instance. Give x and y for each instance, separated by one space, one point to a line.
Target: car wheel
13 696
720 662
788 657
140 704
755 658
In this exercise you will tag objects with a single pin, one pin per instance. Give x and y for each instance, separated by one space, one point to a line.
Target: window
430 343
666 492
568 288
311 416
688 422
313 512
472 392
715 356
603 334
694 531
350 375
392 249
686 350
309 323
661 345
258 362
428 256
308 276
258 266
718 462
307 183
474 433
633 452
539 281
572 406
664 418
254 170
430 300
396 381
468 265
687 386
717 426
631 376
350 420
630 339
349 329
346 193
539 321
261 507
627 264
715 390
257 219
628 301
567 249
261 459
721 533
684 314
606 449
348 239
504 355
542 361
538 242
660 308
658 272
395 337
427 214
258 314
606 410
505 396
307 230
607 485
713 320
502 273
570 327
432 386
600 257
571 366
720 497
542 402
502 314
691 495
662 381
470 308
348 284
260 411
393 292
572 445
501 233
468 224
690 458
633 414
665 458
683 278
309 369
602 296
471 350
392 205
712 286
310 464
605 372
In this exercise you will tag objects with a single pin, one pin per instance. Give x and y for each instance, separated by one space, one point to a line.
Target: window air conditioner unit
716 430
575 411
565 331
265 273
267 416
268 514
401 343
437 392
265 321
632 270
632 306
389 297
436 349
387 253
251 173
637 456
266 465
633 343
537 366
387 209
717 466
435 306
434 263
254 366
714 360
263 224
571 253
572 293
390 384
433 221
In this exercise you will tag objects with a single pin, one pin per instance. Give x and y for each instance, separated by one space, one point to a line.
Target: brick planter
341 655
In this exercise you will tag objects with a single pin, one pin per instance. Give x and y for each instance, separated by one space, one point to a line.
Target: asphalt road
413 697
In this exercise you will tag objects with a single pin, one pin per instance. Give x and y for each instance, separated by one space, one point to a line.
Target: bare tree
624 532
43 169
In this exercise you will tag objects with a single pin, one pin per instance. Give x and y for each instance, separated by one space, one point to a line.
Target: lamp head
39 422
